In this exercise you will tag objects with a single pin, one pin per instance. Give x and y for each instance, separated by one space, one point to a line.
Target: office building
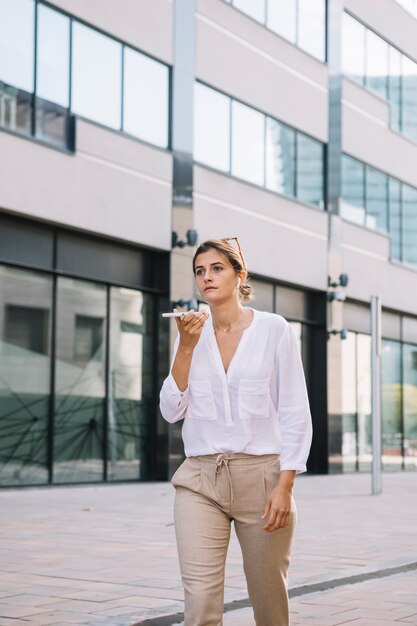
291 124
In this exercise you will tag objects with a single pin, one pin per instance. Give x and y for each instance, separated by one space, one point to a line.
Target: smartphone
177 314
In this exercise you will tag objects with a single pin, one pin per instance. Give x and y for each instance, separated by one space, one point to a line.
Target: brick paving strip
178 618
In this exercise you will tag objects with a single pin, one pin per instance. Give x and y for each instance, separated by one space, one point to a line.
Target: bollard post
376 395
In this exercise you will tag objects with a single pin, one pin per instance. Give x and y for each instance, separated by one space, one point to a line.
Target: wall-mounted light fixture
338 296
191 239
343 281
343 332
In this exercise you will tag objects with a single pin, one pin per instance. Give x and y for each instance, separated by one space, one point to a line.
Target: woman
238 382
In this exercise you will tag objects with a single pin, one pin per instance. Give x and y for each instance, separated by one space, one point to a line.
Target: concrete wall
112 186
281 239
145 24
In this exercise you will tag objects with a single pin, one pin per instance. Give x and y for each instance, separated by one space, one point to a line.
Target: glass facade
96 76
371 61
399 402
81 363
376 200
250 145
248 148
356 446
103 72
302 22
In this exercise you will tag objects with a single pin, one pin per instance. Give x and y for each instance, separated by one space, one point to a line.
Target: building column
183 75
334 193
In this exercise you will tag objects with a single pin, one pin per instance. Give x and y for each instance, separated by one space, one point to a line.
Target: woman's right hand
190 328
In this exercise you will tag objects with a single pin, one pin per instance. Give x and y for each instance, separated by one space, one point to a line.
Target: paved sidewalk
105 555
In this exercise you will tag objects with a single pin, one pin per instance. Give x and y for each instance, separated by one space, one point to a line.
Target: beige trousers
211 492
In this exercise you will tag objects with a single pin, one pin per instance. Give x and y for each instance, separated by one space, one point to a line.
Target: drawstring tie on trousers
223 460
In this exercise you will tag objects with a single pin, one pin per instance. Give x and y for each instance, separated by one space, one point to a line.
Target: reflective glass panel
394 87
146 98
263 295
80 381
309 183
53 56
131 403
349 403
248 143
280 158
25 363
409 97
410 405
312 27
394 189
17 36
391 405
96 76
211 127
254 8
376 199
376 64
409 225
282 18
353 49
353 190
364 398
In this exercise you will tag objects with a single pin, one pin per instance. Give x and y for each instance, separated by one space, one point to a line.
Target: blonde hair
234 257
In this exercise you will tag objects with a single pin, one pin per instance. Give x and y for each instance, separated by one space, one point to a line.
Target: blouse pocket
253 398
201 405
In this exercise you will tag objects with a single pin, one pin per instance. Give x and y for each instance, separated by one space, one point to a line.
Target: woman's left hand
278 504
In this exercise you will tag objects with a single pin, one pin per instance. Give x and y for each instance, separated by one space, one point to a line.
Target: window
88 337
353 49
53 56
309 183
17 30
394 87
17 26
146 97
409 97
312 27
388 205
52 85
389 73
253 8
27 327
282 18
353 190
410 405
376 199
247 143
211 128
80 381
302 22
280 157
409 224
263 150
96 76
376 64
394 189
25 367
131 371
391 405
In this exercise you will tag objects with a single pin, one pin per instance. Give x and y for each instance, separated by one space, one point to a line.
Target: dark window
88 338
27 328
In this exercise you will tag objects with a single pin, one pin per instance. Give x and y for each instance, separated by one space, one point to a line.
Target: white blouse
260 406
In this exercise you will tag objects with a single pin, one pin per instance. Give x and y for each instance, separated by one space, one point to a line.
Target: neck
227 314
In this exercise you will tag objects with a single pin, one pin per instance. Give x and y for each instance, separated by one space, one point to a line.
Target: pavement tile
91 547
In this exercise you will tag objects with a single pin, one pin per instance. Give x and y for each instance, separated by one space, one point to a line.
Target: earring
238 283
198 294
